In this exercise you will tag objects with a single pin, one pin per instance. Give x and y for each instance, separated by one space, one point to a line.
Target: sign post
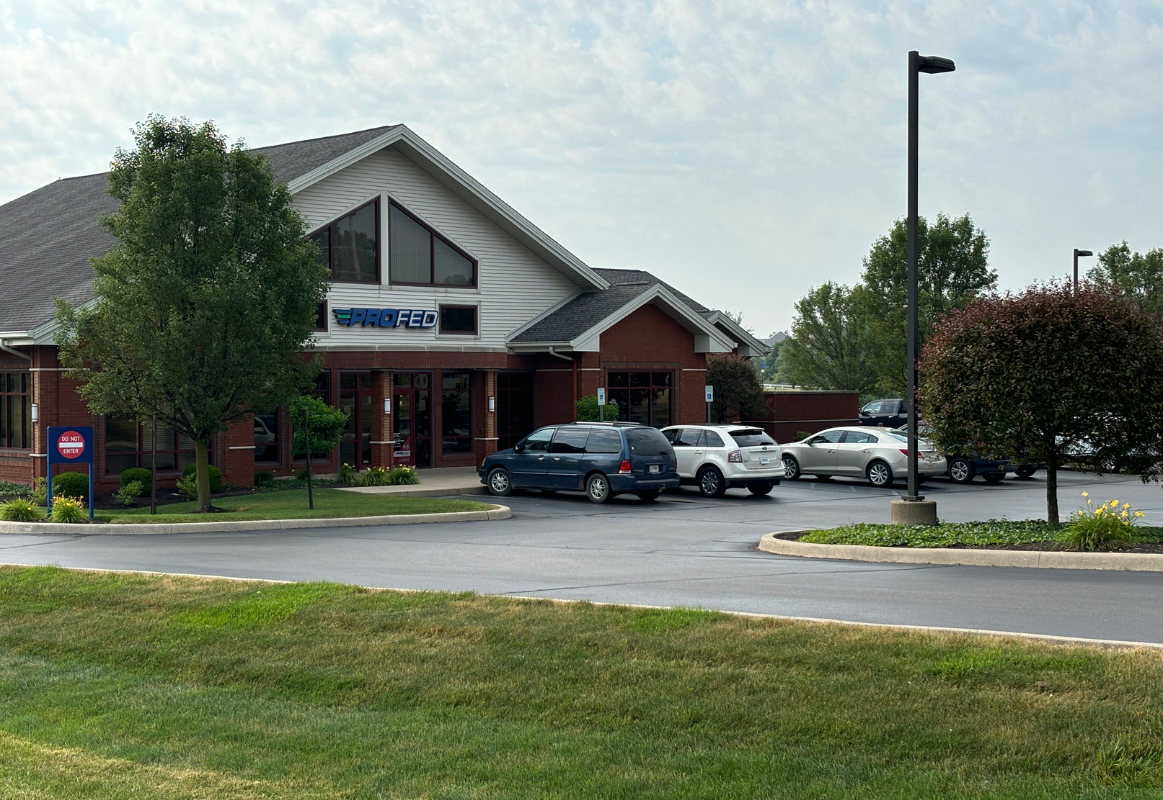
601 404
710 395
70 445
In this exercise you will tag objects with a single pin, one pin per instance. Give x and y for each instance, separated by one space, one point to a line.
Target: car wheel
648 497
760 488
994 477
1025 472
960 470
879 474
711 482
791 469
598 488
499 482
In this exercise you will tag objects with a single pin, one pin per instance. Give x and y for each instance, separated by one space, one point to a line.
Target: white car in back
720 457
880 455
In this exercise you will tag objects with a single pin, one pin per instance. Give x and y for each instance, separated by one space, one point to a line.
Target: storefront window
15 410
642 397
266 438
349 246
130 444
458 319
419 255
456 412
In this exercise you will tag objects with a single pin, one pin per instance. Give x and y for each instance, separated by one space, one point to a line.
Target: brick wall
791 412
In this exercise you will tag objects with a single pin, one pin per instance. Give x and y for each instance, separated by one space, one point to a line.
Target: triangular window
420 256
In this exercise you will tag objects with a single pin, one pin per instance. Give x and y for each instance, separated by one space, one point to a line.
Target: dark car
965 465
601 459
889 413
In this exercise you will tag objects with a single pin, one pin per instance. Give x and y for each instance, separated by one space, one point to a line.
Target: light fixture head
1078 252
934 64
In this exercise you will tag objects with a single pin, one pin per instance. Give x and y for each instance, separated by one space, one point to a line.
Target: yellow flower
1114 503
1086 494
1126 505
1124 513
1082 513
1100 510
1138 513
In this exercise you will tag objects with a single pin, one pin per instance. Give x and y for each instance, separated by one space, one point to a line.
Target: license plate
654 469
763 459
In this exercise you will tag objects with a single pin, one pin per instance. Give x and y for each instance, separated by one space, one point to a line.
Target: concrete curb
1043 559
497 512
447 491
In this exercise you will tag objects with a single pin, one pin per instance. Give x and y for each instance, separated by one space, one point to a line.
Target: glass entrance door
355 400
412 418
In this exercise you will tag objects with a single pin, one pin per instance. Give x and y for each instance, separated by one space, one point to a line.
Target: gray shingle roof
48 236
587 310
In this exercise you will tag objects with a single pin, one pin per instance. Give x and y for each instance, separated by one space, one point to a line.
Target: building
453 325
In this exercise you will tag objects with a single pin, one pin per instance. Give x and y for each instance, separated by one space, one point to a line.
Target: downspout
573 363
17 353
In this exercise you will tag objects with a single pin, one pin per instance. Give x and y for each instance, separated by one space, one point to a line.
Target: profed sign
385 318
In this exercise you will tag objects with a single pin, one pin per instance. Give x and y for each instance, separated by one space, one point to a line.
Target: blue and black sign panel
385 318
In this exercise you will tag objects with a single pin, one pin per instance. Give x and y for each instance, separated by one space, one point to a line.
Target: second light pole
913 509
1078 253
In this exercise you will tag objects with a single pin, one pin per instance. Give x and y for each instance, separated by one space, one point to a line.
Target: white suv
720 457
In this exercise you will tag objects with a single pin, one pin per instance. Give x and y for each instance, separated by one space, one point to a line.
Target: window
15 410
827 437
672 434
419 255
570 440
458 319
130 444
642 397
856 437
349 247
456 412
266 437
647 442
607 442
713 440
321 316
691 437
754 437
538 441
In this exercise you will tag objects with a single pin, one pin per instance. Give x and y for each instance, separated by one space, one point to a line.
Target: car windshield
752 437
647 442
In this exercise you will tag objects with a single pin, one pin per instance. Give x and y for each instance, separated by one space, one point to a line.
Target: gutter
16 353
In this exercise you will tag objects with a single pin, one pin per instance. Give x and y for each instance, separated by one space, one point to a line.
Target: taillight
624 467
735 457
905 450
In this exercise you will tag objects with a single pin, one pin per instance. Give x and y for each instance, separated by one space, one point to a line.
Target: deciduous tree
827 344
1140 275
1047 373
207 301
737 389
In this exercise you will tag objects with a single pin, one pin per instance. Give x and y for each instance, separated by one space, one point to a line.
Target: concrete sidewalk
433 483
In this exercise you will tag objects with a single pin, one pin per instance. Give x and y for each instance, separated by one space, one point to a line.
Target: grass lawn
118 686
293 504
948 534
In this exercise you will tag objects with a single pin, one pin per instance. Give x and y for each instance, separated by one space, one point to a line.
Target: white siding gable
514 285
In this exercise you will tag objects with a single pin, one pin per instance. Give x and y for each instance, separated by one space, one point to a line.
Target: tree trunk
202 462
1052 489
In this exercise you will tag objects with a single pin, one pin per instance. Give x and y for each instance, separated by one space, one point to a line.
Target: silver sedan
879 455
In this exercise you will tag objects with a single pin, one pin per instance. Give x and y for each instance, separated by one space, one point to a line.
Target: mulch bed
1138 547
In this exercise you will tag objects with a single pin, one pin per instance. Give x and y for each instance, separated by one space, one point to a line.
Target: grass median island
126 685
951 534
292 504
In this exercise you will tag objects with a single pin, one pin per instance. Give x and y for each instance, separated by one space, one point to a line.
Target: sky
744 152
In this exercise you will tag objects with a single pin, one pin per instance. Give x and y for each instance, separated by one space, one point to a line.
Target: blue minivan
601 459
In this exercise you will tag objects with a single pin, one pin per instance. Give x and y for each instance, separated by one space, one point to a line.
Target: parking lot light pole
1078 253
917 65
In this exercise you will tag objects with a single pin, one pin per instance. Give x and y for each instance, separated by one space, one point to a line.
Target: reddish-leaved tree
1048 375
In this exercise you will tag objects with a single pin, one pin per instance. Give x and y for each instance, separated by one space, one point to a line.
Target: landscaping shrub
375 476
301 475
19 510
345 474
402 475
215 476
38 494
68 509
326 424
71 484
17 489
129 492
587 409
1108 527
139 474
188 485
264 479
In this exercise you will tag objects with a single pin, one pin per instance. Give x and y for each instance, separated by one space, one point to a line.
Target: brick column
486 444
238 459
381 422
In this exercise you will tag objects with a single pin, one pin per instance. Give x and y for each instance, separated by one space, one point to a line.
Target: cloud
763 141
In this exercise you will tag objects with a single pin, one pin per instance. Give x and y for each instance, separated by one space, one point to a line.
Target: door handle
557 458
540 458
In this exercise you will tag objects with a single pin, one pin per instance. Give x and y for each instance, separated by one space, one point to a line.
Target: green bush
139 474
264 478
215 476
129 492
68 509
188 486
71 484
1108 527
587 409
38 494
301 475
19 510
345 474
402 475
325 425
375 476
17 489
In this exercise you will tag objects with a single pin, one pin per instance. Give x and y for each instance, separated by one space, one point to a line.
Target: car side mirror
519 447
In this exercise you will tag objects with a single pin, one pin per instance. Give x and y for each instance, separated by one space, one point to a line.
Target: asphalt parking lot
682 550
